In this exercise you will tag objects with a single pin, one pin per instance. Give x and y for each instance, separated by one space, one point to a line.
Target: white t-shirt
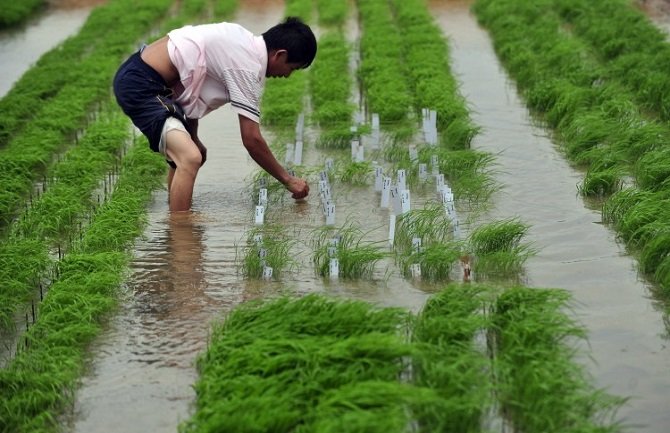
217 64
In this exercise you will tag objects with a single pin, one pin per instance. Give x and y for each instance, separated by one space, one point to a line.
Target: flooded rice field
185 273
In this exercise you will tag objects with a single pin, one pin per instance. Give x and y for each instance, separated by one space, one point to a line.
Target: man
167 86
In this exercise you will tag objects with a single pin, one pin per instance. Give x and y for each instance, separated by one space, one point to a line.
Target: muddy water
627 337
21 48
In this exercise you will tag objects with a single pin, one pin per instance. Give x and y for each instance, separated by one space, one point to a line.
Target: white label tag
416 244
395 199
267 273
415 270
262 253
330 214
386 193
434 164
391 229
334 268
360 153
258 239
404 201
263 196
260 214
330 164
402 179
379 179
423 172
413 154
332 251
297 157
288 158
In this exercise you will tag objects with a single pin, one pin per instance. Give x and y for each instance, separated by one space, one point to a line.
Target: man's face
278 66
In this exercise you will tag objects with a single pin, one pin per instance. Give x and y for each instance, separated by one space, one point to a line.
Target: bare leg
170 176
184 152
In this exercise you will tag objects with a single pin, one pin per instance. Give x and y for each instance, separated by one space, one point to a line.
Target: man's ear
280 54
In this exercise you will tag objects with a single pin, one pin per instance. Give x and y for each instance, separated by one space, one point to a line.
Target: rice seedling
436 261
429 224
356 257
289 364
267 246
355 173
539 384
498 248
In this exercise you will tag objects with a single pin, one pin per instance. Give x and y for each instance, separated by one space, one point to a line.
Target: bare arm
260 152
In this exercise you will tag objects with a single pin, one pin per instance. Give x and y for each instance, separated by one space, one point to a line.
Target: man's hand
298 187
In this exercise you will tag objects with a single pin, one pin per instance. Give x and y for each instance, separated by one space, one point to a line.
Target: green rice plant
498 248
357 258
429 224
332 12
291 364
436 261
13 13
599 183
355 173
447 359
267 245
540 386
653 169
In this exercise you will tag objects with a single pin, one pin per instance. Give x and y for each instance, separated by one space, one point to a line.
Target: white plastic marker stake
379 179
263 196
330 214
415 270
395 199
375 131
330 164
423 172
332 251
258 239
260 215
334 268
262 254
288 158
416 245
360 153
386 193
297 153
391 229
402 180
439 182
300 126
413 154
434 165
267 273
404 201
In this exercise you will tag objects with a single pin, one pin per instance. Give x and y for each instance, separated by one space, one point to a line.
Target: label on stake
404 201
386 193
334 268
259 215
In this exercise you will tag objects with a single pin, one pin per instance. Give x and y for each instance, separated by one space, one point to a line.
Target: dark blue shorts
145 97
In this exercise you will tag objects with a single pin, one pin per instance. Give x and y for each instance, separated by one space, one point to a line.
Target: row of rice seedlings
283 99
267 246
38 383
381 71
332 13
597 119
330 89
13 13
312 364
31 151
448 359
53 71
427 57
540 386
52 220
635 50
355 257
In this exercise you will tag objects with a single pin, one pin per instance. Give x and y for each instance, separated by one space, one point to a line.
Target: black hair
295 37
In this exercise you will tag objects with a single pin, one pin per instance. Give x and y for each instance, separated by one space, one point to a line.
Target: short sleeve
245 92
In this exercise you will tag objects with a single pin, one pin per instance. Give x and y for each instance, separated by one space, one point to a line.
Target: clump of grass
435 261
355 172
295 364
429 224
540 385
267 245
357 258
498 248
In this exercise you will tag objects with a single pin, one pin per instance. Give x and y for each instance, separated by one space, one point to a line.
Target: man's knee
183 151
